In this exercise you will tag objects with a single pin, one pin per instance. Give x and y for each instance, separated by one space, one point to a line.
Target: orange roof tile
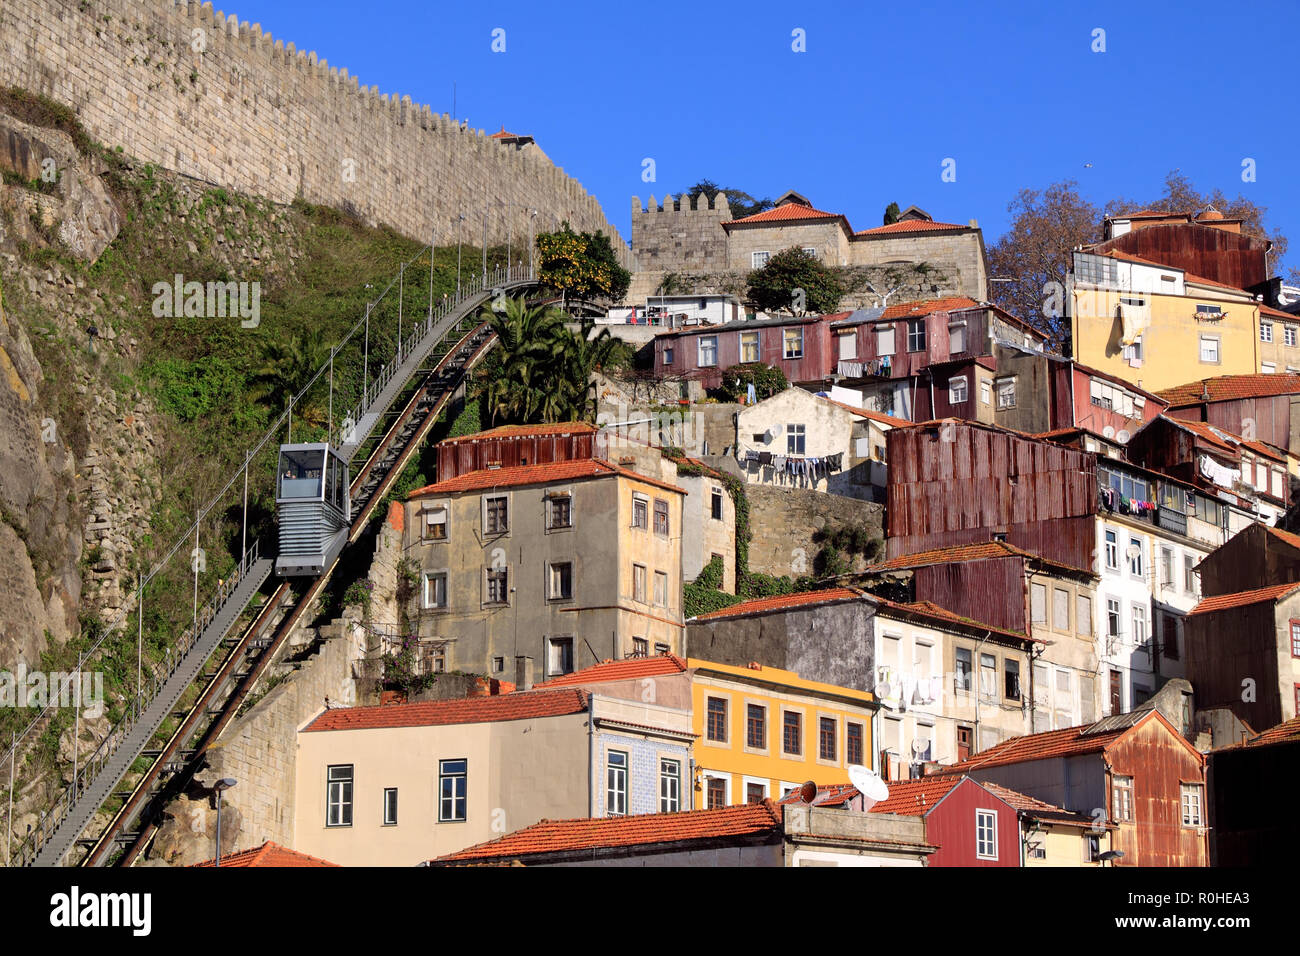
268 854
1223 388
786 212
1066 742
942 614
525 431
396 516
783 602
1278 313
911 225
928 306
462 710
831 795
648 829
535 475
1283 732
1286 536
1217 435
916 797
1027 804
1224 602
628 669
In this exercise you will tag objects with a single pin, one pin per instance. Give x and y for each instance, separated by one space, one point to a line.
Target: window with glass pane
708 351
638 583
496 516
1135 563
715 504
957 390
560 651
435 589
957 339
640 512
1007 393
986 834
562 580
390 806
756 726
717 792
1112 617
338 796
435 524
661 589
749 346
853 746
661 516
560 513
916 335
640 647
717 719
964 670
452 775
794 439
498 590
1011 679
1121 799
670 785
1193 799
792 733
616 783
988 676
826 738
793 339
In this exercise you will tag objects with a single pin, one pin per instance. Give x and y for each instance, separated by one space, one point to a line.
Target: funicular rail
254 653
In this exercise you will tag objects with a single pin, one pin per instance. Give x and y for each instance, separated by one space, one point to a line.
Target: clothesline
795 466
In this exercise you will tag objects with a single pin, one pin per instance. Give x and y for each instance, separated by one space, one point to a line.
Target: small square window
957 391
795 436
559 512
759 259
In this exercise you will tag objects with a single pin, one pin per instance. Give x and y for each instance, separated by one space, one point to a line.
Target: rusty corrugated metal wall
1235 260
1159 764
957 483
457 458
992 591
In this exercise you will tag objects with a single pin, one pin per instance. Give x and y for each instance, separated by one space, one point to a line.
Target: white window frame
793 432
616 783
708 775
670 781
986 834
763 782
986 392
958 393
554 578
755 262
1289 334
390 807
431 520
750 340
1111 539
1266 332
785 343
340 793
1192 811
886 335
555 652
1006 392
428 578
851 341
1218 354
703 349
484 515
956 330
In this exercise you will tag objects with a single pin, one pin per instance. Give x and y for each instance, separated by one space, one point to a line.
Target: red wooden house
800 346
510 446
968 823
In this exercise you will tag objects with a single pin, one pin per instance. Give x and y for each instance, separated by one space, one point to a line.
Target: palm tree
285 366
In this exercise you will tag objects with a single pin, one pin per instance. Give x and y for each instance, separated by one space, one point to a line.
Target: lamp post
218 788
459 220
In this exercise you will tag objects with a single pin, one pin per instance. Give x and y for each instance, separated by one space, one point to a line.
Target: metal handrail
157 678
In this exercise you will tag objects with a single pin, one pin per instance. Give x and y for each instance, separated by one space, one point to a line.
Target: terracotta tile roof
484 478
785 213
1285 536
868 413
1223 388
783 602
525 431
1027 804
628 669
1226 439
1278 313
648 829
832 795
1224 602
463 710
268 854
957 553
928 306
916 797
1283 732
696 463
1067 742
911 225
1147 214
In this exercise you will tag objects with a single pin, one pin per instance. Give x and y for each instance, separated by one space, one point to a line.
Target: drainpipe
591 758
975 744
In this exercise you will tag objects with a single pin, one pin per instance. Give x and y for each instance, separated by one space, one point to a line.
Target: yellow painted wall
1171 341
1065 846
778 691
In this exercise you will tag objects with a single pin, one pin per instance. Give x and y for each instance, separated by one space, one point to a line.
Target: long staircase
453 341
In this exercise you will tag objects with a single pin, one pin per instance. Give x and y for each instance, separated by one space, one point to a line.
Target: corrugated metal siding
1225 647
817 363
1233 259
989 591
944 492
1159 764
457 458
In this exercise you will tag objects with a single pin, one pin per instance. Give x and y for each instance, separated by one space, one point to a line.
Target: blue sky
882 96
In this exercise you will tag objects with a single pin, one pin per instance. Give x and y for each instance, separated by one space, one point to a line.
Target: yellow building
1158 326
762 731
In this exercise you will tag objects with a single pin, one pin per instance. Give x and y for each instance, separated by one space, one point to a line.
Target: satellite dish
884 690
808 792
869 784
1122 436
1108 431
920 745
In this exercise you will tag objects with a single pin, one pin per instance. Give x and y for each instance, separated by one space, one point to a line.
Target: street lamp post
459 220
218 788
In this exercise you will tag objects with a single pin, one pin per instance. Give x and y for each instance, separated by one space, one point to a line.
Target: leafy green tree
541 370
892 212
583 265
767 381
776 286
286 365
739 202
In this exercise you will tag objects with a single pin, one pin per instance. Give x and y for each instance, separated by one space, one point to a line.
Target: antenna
869 784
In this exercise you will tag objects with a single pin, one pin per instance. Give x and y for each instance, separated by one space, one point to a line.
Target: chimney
523 673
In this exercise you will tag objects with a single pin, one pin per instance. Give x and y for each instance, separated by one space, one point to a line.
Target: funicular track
454 346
